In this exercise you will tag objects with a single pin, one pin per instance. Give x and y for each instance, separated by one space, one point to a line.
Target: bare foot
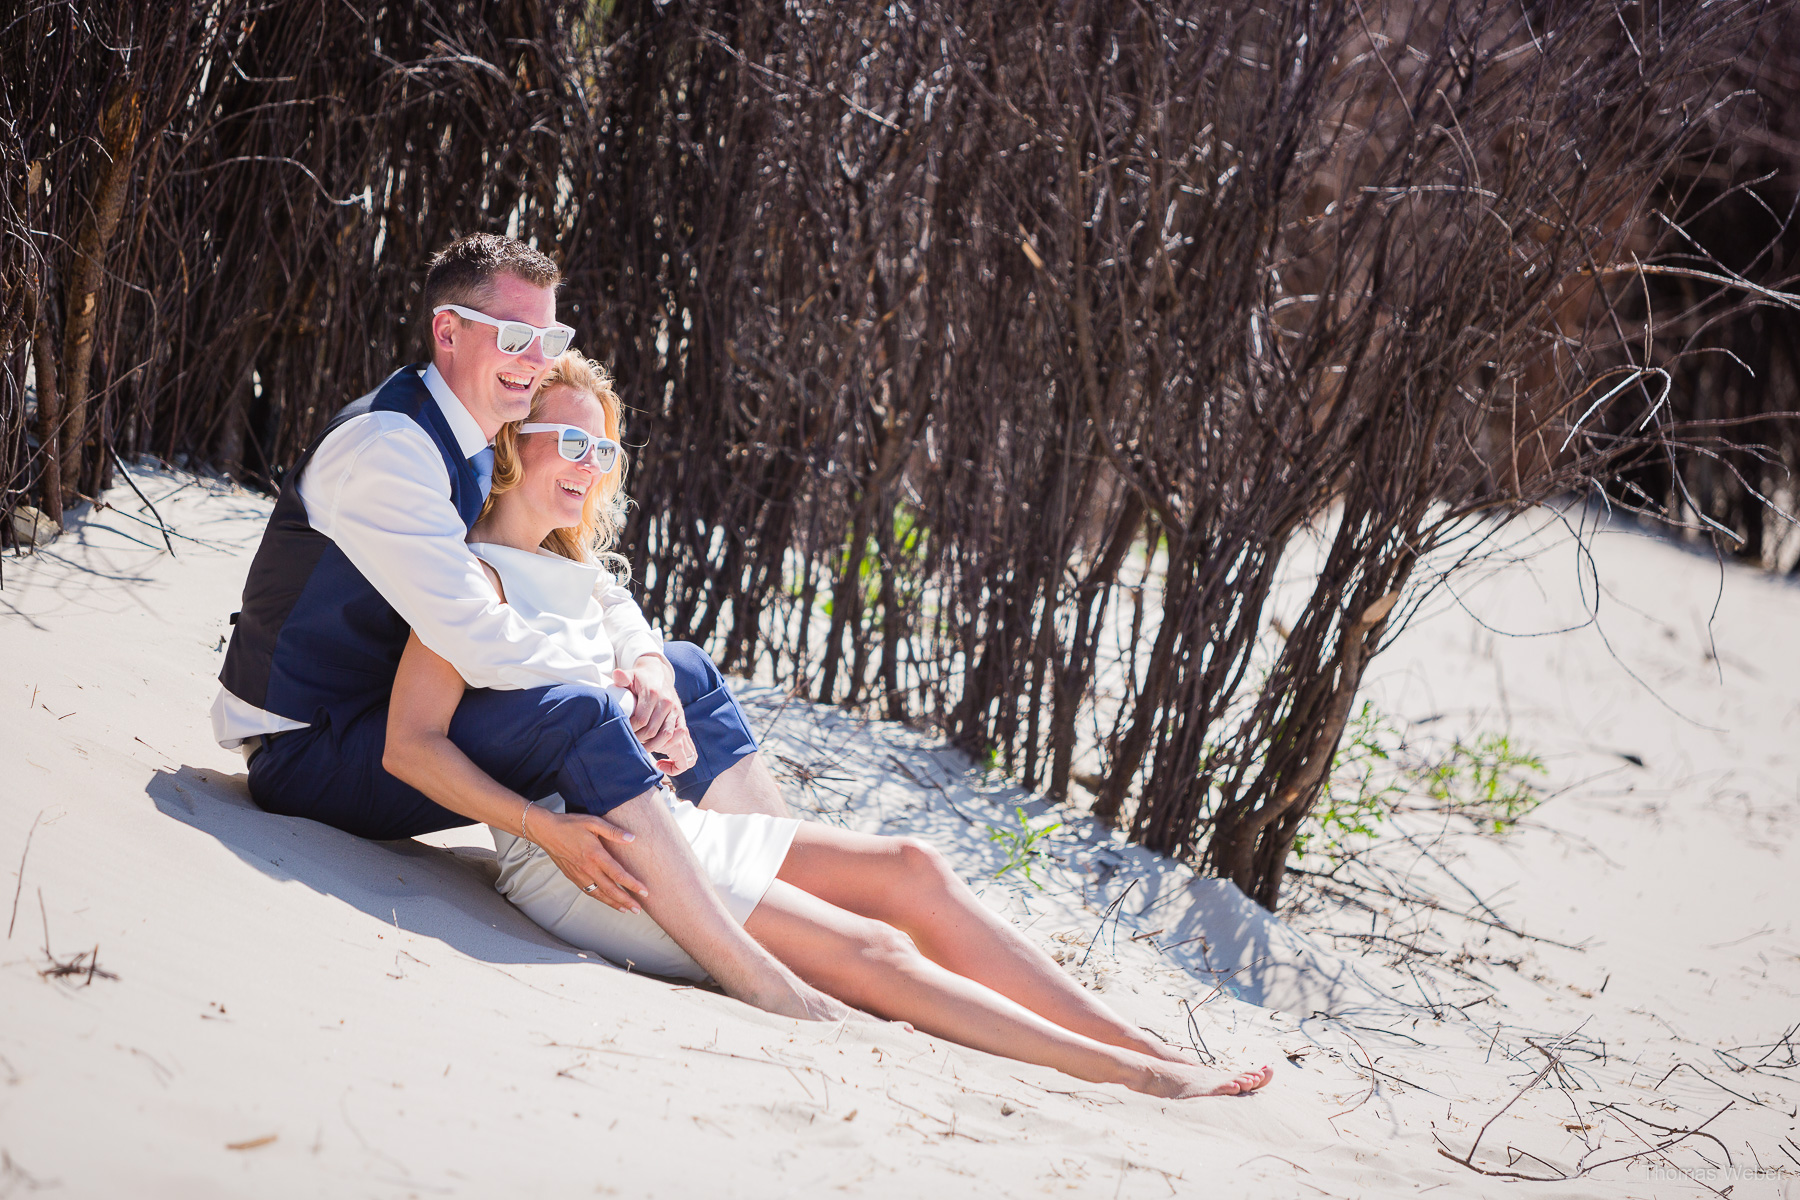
1179 1081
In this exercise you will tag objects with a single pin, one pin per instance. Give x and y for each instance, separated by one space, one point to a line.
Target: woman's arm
419 751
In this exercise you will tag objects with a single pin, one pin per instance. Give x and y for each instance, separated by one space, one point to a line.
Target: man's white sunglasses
575 443
515 337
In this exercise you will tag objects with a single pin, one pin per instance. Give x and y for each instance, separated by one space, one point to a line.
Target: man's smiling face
494 387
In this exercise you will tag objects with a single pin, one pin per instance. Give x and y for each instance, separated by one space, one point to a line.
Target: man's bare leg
747 787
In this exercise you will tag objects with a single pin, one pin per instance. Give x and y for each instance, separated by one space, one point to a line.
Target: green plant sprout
906 556
1355 803
988 763
1021 845
1488 781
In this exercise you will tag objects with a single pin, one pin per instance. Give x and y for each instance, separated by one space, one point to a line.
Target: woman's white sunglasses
515 337
575 443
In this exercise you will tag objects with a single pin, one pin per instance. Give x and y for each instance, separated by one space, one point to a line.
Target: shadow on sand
447 894
1206 926
1222 937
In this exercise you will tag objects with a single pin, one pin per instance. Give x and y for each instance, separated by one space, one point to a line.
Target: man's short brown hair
464 271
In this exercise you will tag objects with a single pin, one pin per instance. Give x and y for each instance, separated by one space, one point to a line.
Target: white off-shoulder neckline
541 581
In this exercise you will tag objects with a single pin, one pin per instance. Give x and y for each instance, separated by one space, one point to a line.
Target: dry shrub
231 202
1736 367
935 317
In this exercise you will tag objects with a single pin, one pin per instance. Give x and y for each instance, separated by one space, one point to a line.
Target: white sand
297 1012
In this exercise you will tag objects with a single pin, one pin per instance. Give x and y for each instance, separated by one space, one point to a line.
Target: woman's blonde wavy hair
603 516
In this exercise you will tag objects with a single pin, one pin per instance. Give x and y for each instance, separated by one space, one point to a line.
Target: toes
1244 1084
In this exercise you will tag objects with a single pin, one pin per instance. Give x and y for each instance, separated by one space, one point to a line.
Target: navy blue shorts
571 739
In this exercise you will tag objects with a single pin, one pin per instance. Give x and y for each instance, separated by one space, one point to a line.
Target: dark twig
1111 911
20 886
913 424
86 964
161 525
1467 1159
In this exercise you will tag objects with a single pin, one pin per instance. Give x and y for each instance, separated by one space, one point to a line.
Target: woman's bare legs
876 967
907 884
1011 997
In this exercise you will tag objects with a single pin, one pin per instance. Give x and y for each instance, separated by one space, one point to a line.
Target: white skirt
739 852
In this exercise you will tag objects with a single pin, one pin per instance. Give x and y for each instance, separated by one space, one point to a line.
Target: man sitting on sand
367 618
367 542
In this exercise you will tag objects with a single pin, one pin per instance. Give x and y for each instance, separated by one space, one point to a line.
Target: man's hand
576 843
657 719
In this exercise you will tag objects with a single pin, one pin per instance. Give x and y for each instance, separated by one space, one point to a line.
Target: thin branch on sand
1553 1064
85 964
20 886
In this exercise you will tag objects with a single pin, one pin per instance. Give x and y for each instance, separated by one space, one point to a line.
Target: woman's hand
657 718
576 843
419 751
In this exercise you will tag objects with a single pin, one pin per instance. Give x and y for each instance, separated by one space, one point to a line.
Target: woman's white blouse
579 606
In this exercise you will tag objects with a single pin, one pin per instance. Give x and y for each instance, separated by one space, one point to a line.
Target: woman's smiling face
553 487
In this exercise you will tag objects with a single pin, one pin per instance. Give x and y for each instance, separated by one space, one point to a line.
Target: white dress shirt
378 488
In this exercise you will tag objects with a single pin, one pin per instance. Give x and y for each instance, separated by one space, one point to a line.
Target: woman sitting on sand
789 916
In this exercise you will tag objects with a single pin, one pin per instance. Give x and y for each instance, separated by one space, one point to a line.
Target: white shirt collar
470 441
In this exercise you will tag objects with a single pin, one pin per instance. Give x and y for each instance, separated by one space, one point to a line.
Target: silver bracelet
523 813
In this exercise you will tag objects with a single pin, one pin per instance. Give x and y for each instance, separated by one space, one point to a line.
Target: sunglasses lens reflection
514 337
555 342
574 445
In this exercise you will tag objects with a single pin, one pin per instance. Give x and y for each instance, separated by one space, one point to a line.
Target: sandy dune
279 1009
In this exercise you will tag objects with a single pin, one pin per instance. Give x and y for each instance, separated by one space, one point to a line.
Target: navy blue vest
315 640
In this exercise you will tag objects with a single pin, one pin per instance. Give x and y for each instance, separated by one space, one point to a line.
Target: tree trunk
119 131
1146 713
892 628
843 601
43 357
1242 846
1071 683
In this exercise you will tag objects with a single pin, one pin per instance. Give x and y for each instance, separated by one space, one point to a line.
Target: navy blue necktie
483 463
